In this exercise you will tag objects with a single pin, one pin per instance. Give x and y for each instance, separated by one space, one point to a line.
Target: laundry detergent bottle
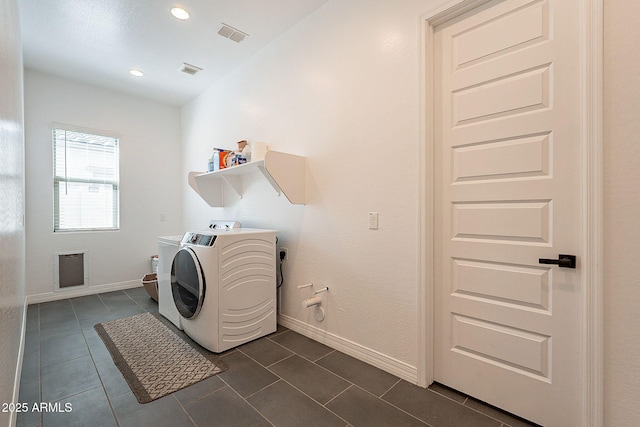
216 160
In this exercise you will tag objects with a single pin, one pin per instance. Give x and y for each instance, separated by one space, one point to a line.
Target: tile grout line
338 395
314 400
277 343
185 409
104 390
397 407
390 388
277 334
263 388
249 403
201 397
40 366
274 363
103 303
467 398
333 350
504 424
293 353
40 363
463 404
350 384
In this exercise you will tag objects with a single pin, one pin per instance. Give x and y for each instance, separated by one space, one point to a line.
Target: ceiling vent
189 69
232 33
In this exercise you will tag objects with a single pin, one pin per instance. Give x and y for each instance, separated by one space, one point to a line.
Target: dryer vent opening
70 270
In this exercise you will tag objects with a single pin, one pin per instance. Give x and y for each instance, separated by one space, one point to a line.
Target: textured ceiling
98 41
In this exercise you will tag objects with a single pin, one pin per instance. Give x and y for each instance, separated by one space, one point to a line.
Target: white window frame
56 180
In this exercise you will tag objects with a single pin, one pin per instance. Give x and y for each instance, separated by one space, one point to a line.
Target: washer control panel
224 225
199 239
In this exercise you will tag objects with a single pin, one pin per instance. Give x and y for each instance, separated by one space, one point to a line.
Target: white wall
12 246
342 89
622 213
150 178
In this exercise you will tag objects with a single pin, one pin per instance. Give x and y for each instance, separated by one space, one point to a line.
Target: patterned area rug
155 358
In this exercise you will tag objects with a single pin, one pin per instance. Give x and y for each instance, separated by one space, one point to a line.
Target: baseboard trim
72 293
13 417
365 354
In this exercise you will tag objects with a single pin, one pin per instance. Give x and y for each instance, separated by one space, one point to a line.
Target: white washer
223 283
168 247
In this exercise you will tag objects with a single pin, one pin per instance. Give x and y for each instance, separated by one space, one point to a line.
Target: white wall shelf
285 172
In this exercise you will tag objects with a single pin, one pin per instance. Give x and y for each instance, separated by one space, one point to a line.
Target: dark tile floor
284 379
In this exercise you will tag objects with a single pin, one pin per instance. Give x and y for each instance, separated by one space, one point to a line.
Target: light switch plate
373 220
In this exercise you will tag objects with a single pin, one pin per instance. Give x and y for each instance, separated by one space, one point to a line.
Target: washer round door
187 283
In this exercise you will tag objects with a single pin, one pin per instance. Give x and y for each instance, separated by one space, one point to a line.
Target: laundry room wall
342 89
12 233
622 204
150 174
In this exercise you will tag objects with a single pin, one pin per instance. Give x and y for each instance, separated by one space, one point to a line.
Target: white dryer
168 247
223 283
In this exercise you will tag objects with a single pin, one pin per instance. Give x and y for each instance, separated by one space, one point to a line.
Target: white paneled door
508 193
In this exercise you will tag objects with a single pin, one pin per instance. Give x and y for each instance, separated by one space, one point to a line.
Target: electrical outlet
286 253
373 220
163 217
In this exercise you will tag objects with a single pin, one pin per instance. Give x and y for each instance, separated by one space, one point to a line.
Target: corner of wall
12 203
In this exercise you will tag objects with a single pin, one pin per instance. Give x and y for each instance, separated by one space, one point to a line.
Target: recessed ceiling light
136 73
180 13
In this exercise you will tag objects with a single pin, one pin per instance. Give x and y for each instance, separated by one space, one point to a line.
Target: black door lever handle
566 261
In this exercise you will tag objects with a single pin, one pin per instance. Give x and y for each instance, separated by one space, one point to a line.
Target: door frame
591 77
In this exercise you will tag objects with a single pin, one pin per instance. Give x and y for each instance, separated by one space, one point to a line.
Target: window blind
86 181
